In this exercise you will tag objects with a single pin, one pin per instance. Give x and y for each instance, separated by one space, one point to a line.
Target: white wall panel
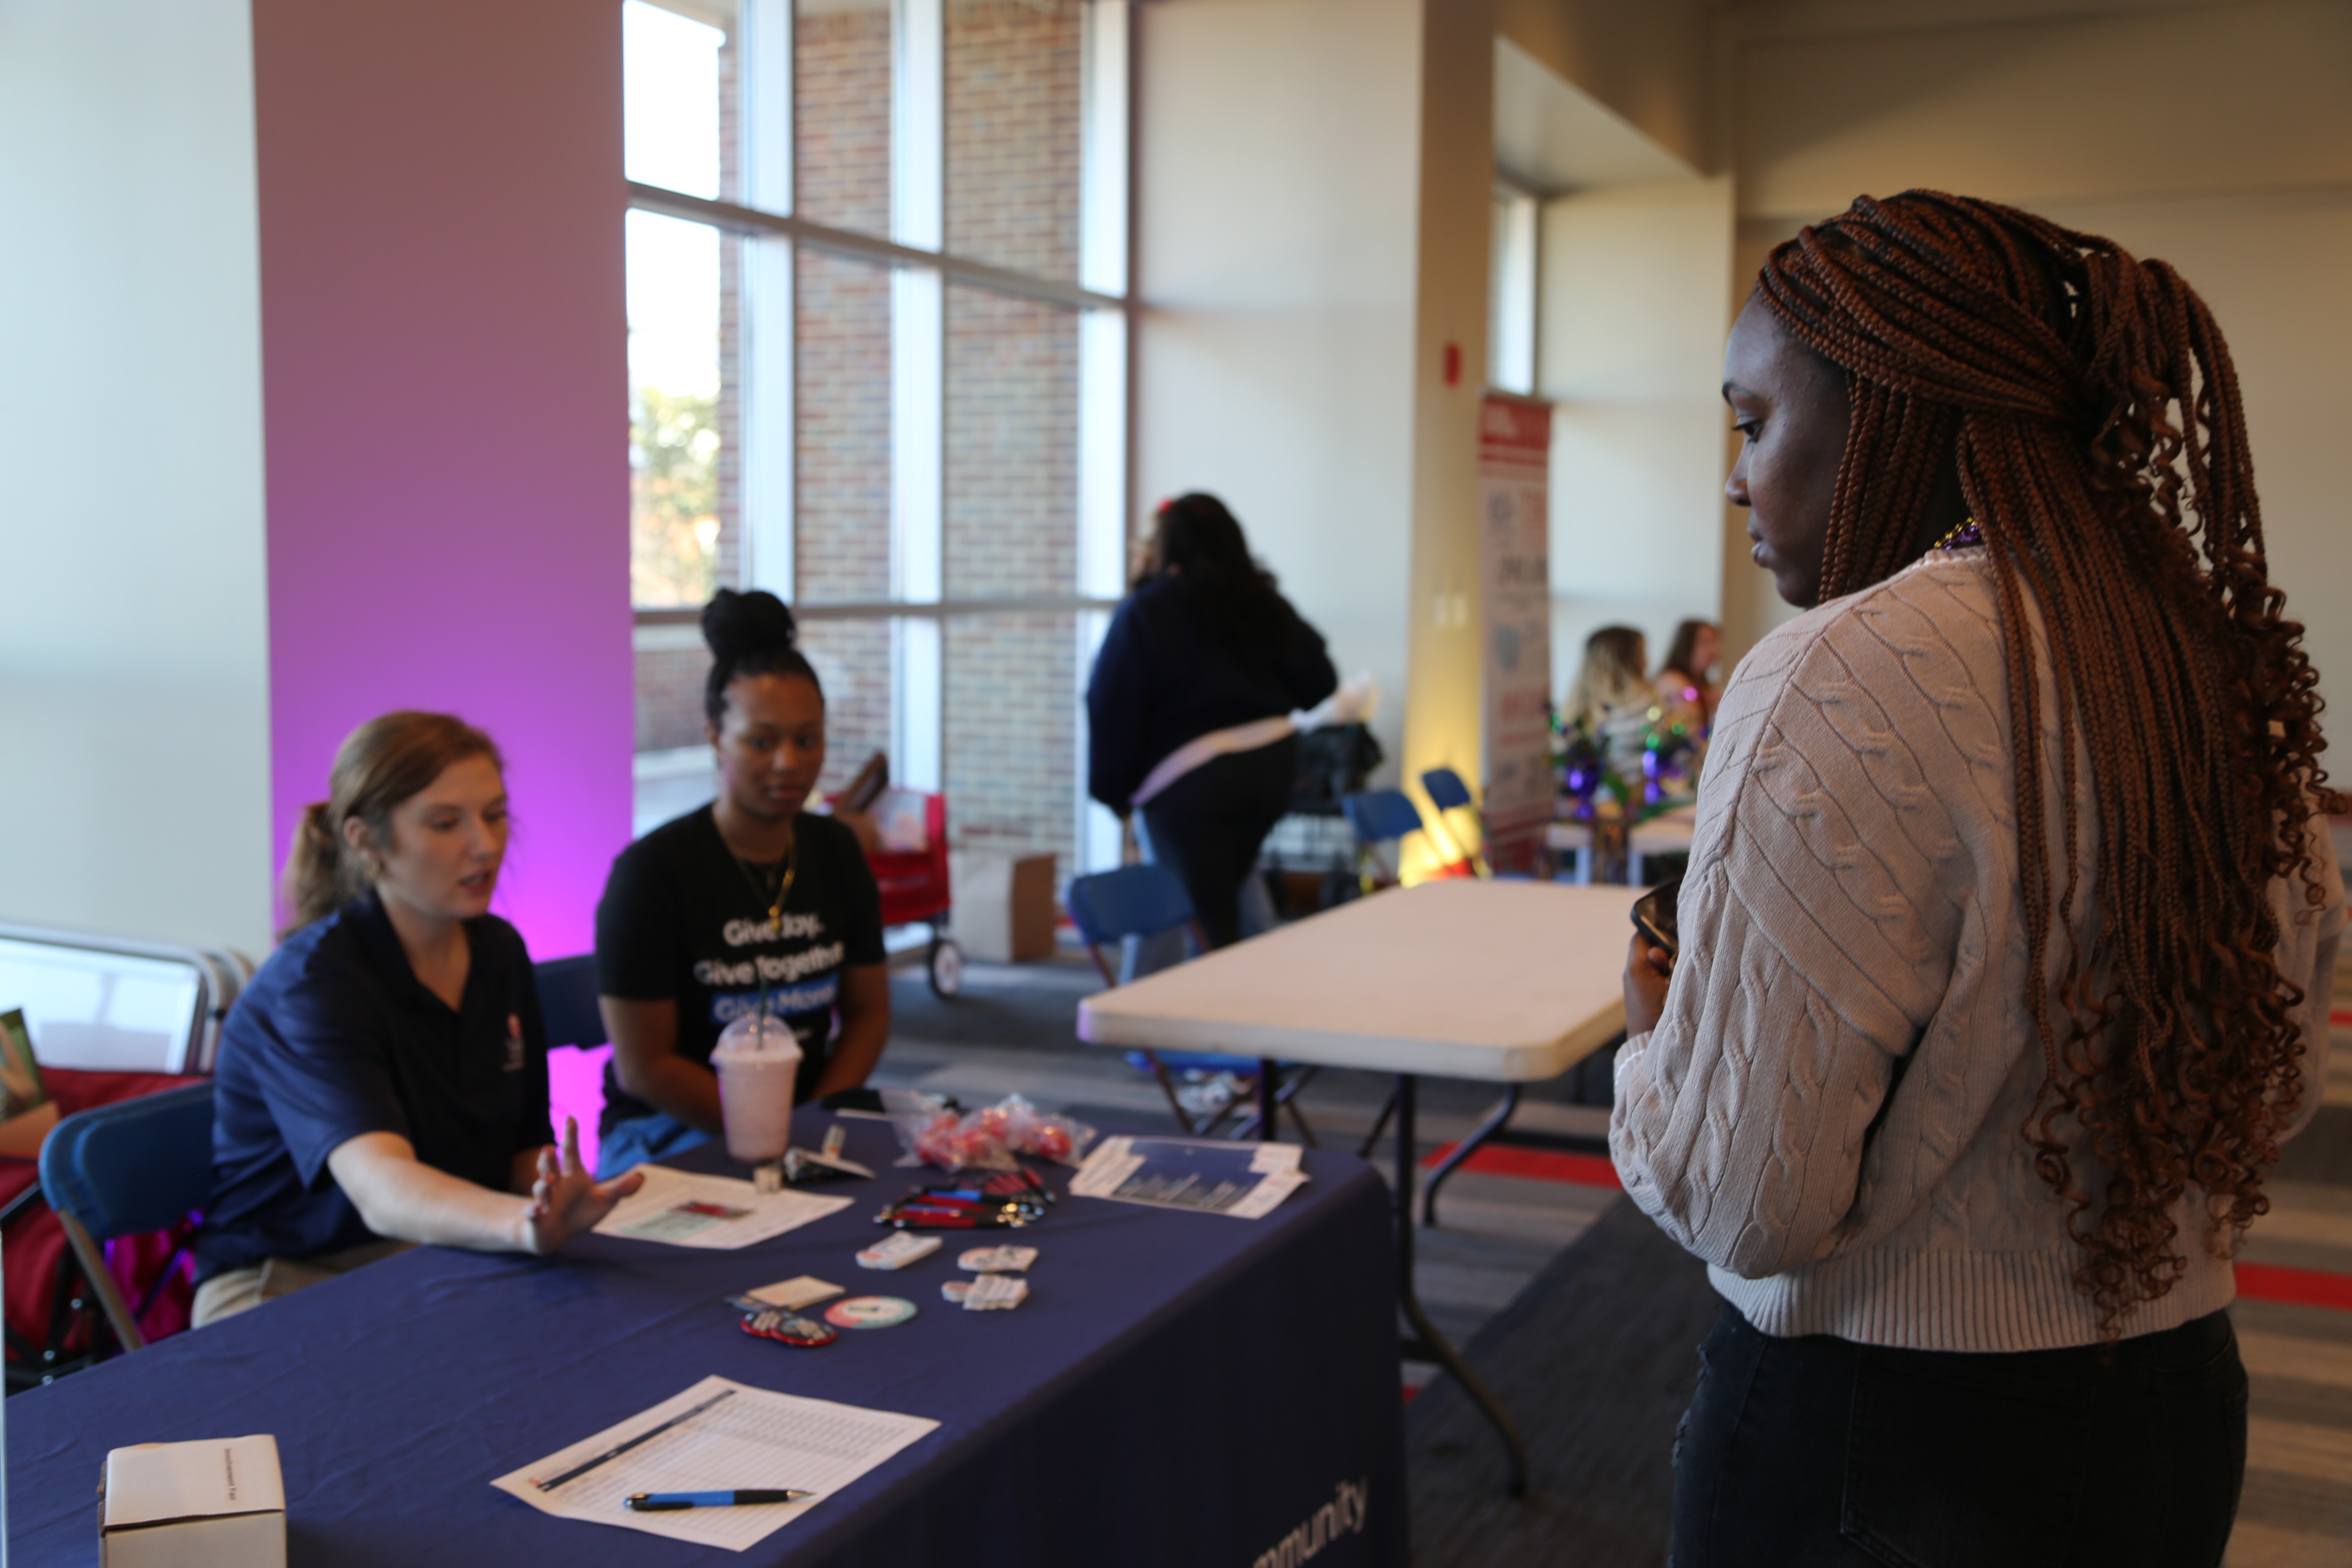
134 702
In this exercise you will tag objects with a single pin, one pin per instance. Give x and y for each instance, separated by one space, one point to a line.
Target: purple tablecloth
1179 1388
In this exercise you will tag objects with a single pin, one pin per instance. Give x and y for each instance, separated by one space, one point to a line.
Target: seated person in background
383 1079
1686 682
743 903
1612 697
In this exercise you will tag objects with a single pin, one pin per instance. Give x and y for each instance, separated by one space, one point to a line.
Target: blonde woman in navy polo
383 1081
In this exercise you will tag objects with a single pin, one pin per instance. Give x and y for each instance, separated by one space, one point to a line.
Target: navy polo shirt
335 1037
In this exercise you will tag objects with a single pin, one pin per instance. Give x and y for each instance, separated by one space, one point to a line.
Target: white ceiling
1551 137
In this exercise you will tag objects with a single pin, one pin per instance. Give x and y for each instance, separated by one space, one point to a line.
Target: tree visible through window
673 496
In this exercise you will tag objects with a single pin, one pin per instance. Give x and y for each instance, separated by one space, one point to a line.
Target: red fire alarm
1453 364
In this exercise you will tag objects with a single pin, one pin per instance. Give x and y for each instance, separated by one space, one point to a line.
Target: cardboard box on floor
215 1503
1003 905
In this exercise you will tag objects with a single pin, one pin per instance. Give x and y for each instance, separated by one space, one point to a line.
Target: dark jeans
1208 827
1818 1451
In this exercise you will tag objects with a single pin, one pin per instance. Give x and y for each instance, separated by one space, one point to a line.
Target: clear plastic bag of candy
1048 1135
932 1133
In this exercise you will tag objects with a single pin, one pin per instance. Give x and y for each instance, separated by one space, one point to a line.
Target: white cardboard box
216 1503
1003 905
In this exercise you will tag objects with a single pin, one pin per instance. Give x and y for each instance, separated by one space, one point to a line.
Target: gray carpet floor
1586 1319
1597 1360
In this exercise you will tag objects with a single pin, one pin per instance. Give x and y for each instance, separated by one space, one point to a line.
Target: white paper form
1241 1180
744 1438
717 1212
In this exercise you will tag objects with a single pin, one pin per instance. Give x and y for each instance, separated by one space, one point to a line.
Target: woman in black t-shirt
739 904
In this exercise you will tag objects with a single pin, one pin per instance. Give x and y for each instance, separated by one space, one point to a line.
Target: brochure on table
1244 1181
718 1436
716 1211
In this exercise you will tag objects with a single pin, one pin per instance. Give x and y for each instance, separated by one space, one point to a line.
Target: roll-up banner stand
1514 602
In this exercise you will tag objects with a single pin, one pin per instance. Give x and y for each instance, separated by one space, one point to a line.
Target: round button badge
869 1311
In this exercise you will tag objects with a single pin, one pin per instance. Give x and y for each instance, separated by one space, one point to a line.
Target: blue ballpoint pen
656 1502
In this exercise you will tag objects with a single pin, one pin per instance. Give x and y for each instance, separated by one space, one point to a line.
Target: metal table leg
1426 1343
1380 1125
1464 1150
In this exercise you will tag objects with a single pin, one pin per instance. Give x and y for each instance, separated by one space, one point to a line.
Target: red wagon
915 890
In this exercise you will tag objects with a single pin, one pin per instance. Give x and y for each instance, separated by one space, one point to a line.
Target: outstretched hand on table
567 1198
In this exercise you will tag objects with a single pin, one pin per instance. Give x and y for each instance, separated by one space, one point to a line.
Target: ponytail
380 765
315 869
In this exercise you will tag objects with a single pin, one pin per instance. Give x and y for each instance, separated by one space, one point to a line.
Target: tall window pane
1011 530
1011 719
681 442
679 85
1010 518
1511 293
1014 127
842 419
852 658
841 102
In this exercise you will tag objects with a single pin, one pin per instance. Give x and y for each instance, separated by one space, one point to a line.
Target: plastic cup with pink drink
758 1060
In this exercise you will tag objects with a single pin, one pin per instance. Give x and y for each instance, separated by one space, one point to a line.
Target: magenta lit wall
444 375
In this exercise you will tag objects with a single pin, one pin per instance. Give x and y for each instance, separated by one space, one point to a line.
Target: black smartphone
1654 916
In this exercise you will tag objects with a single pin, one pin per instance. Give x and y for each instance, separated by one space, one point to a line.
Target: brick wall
669 697
842 408
840 122
1013 70
1011 530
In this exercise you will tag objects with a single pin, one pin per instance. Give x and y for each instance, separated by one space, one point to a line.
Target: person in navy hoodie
383 1082
1188 709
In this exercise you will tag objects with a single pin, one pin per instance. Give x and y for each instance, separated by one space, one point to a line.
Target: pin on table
1507 981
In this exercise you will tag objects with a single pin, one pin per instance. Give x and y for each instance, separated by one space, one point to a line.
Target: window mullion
917 413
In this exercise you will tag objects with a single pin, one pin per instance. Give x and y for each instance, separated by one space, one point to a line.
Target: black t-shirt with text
682 921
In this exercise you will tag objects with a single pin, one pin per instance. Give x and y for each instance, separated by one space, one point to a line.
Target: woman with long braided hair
2008 941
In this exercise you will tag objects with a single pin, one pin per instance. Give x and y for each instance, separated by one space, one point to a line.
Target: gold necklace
1962 534
784 883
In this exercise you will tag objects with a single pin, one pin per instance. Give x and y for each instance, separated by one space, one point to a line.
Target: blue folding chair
1145 901
1378 815
567 1001
125 1169
1449 793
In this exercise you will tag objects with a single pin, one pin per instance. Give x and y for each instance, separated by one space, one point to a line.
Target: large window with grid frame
877 349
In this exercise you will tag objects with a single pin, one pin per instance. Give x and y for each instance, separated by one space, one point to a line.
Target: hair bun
734 623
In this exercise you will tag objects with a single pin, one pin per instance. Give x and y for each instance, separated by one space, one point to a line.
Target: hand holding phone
1654 916
1654 930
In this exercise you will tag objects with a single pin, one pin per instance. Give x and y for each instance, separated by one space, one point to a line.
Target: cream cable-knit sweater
1828 1111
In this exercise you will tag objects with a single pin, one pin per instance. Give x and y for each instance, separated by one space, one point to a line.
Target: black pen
654 1502
615 1452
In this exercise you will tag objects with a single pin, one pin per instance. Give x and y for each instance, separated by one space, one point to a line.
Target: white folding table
1507 981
